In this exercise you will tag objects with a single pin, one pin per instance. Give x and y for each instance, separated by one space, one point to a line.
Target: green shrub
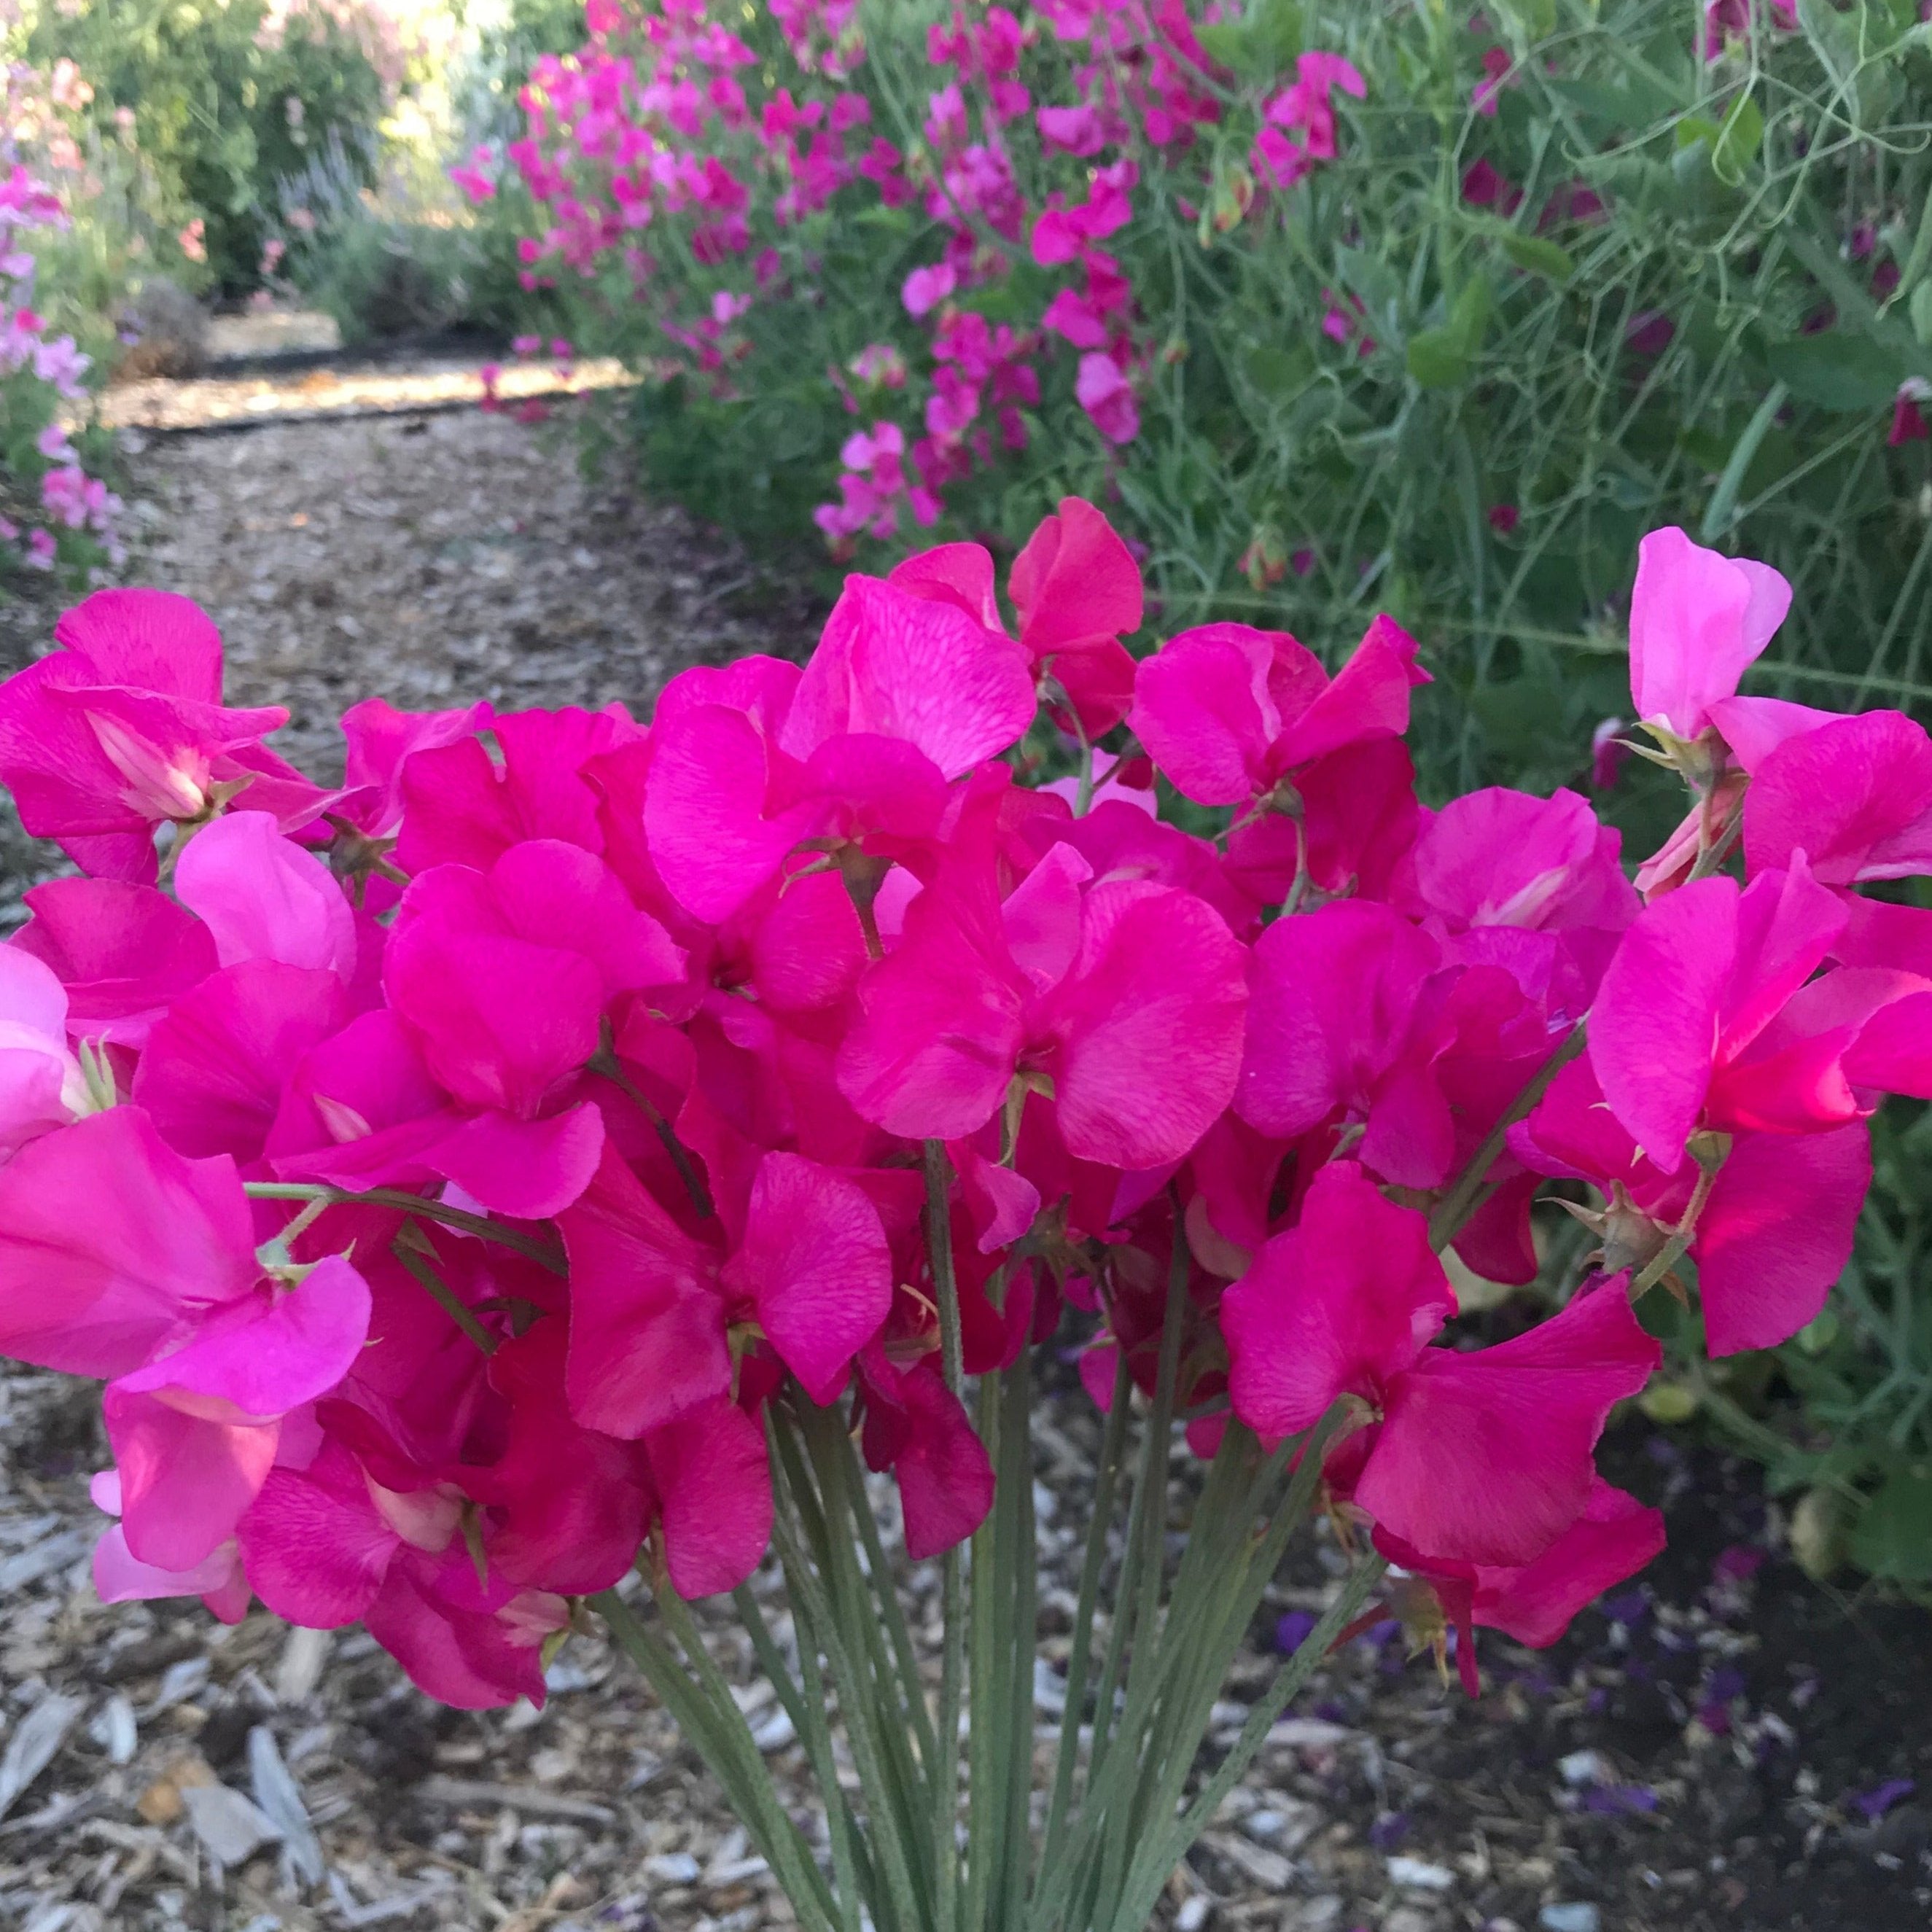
226 97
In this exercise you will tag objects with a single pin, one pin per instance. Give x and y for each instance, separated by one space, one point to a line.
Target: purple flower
1877 1801
1612 1798
1389 1830
1292 1631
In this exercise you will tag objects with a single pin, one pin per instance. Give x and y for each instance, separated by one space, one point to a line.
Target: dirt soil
1725 1747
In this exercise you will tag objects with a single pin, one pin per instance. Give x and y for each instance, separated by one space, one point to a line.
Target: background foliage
1576 271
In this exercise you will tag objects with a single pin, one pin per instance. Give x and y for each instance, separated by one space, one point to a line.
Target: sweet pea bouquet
572 1146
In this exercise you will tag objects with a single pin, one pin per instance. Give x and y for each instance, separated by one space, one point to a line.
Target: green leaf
1692 128
1738 142
1275 36
1836 369
1470 317
1894 1537
1718 513
1536 256
1516 714
1439 358
1224 42
1261 46
1921 309
1536 18
1277 371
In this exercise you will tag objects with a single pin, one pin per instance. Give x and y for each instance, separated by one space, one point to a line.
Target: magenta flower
1852 799
121 1259
1908 422
1330 1035
1698 622
1479 1458
123 730
1306 108
904 693
325 1546
1773 1234
1532 1603
124 952
1502 858
652 1304
1705 1018
926 288
1103 390
40 1084
1089 985
1231 713
1497 67
1077 589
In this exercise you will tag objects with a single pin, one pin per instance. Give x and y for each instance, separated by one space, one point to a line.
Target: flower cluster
55 508
453 1173
653 124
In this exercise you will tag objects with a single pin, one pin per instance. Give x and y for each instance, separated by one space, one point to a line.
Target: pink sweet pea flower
381 740
1089 985
905 692
1336 995
503 981
1497 65
123 730
926 288
1705 1018
213 1072
1727 18
120 1259
1103 389
1533 1603
1080 131
120 1576
41 1087
326 1546
460 805
1698 621
124 952
1774 1232
1480 1458
1230 713
1077 590
1306 107
1853 798
263 897
916 1426
651 1305
1503 858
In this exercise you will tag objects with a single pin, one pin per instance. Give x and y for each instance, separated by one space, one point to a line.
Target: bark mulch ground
1724 1746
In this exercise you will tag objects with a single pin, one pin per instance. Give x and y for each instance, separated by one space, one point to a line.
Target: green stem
808 1593
406 1203
896 1627
885 1697
705 1712
445 1297
952 1663
610 1067
985 1815
1106 1480
1446 1220
1164 1851
1023 1585
1147 1522
806 1706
